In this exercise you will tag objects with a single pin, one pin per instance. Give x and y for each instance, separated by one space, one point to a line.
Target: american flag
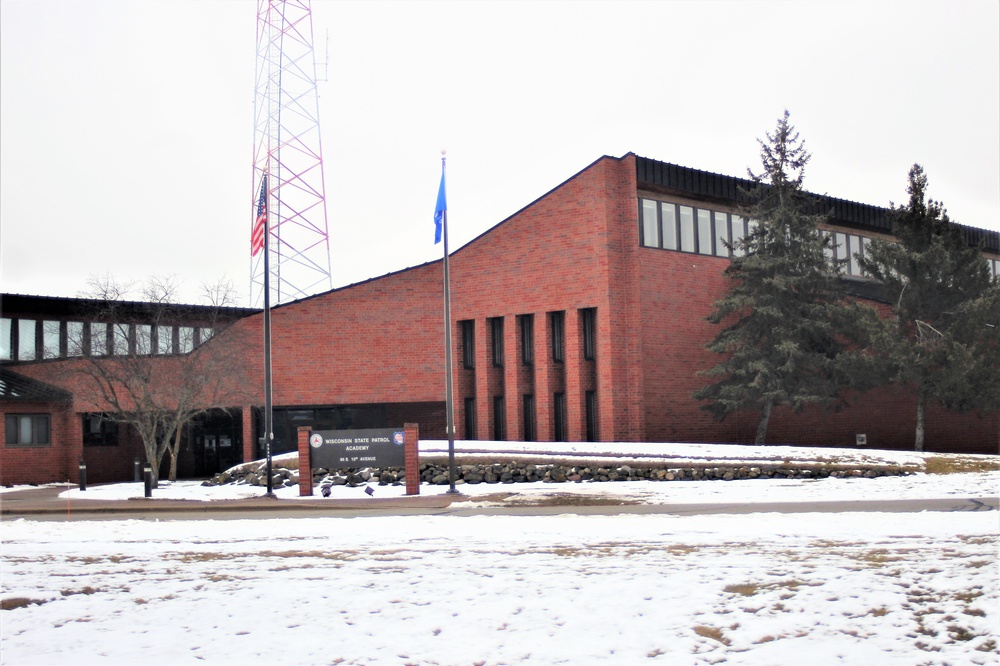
260 225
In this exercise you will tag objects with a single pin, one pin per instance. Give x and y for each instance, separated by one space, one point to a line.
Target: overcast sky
126 127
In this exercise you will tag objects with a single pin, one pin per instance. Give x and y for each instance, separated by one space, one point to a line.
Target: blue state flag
442 206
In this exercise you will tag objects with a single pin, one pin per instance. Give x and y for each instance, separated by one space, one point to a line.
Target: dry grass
746 589
14 603
961 464
711 632
570 499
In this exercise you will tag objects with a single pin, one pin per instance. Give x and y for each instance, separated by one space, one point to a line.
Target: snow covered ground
855 588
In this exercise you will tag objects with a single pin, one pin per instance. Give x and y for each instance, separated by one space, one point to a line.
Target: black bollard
83 475
147 473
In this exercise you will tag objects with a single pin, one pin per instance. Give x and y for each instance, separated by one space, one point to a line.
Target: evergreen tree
943 337
784 312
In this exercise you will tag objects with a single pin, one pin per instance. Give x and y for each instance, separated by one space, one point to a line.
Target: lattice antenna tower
287 148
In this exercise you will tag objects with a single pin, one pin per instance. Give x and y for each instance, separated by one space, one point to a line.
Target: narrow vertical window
556 319
468 344
496 338
738 231
591 414
499 419
143 340
687 228
854 253
527 339
164 339
26 339
669 212
98 339
721 234
588 322
650 224
6 350
50 339
74 338
704 231
840 245
828 249
529 417
120 342
185 335
559 414
470 418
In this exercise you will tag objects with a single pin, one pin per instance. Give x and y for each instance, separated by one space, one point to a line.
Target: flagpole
268 412
449 406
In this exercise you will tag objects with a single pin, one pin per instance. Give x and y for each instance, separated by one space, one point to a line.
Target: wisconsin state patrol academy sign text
379 447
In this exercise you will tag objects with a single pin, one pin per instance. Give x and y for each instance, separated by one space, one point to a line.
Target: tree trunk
765 416
921 418
174 454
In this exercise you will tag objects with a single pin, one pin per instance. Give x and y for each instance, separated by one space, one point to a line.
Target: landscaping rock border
513 471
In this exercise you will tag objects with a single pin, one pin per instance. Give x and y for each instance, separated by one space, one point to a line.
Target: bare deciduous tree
156 365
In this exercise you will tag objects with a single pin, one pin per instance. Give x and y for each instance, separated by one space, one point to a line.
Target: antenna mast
288 149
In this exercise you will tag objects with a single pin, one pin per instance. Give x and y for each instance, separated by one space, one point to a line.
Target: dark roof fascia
18 388
672 178
62 306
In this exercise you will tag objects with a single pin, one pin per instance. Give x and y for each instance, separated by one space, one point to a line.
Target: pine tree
784 313
943 338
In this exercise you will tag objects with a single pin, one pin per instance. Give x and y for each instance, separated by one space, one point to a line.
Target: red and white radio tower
288 151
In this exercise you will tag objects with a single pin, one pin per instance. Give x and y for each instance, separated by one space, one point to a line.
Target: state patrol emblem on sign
398 437
316 440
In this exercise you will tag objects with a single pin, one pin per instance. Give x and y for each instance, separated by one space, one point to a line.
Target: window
671 226
559 414
499 419
556 319
496 338
527 339
164 339
687 228
468 344
26 339
591 409
704 231
99 430
528 404
143 340
74 338
849 249
737 232
588 318
650 223
669 212
721 234
120 341
27 429
50 339
98 339
185 339
6 351
470 418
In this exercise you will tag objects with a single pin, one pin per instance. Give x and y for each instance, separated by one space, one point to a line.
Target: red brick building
581 317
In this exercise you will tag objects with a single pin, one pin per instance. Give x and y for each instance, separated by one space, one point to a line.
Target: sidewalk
46 501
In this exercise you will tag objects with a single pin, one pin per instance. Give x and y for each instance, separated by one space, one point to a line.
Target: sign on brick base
379 447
